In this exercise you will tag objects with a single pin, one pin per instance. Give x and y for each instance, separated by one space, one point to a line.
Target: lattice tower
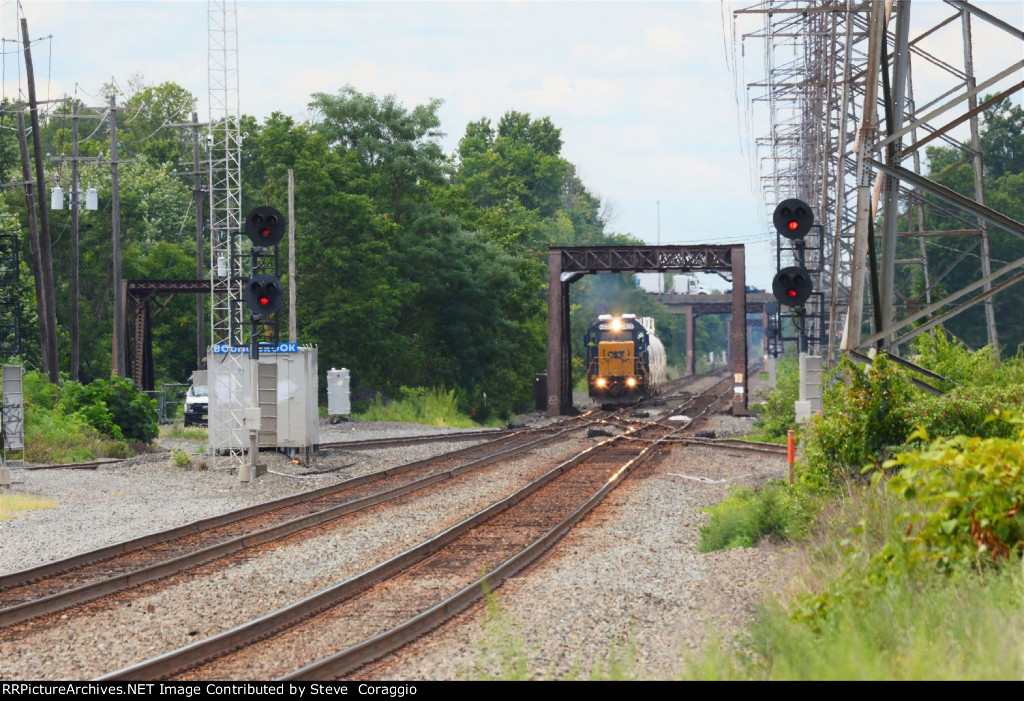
817 75
228 250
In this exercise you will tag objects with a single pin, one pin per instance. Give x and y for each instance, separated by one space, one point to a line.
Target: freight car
625 361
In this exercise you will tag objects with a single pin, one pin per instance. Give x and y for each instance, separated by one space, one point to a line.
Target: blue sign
264 348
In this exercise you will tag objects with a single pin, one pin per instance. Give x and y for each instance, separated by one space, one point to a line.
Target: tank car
625 360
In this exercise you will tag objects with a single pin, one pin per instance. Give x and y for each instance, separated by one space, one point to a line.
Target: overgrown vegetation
190 433
775 414
180 458
916 571
433 407
72 423
749 515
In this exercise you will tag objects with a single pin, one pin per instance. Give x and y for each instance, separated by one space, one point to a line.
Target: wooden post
75 206
117 354
197 196
33 231
49 322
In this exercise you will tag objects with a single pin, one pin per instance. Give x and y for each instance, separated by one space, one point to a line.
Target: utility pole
74 240
292 329
75 194
117 356
48 324
33 229
197 195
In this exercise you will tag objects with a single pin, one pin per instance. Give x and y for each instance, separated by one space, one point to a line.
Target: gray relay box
338 392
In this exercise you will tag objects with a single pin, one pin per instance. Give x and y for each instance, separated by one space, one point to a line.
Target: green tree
397 148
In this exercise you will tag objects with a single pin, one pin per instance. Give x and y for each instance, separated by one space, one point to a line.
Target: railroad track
404 597
89 576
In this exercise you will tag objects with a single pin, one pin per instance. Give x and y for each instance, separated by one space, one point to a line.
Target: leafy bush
115 408
941 354
38 391
180 458
863 420
747 516
777 415
972 490
965 411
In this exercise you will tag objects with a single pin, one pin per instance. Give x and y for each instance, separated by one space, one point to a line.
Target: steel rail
93 590
111 585
374 443
353 657
177 661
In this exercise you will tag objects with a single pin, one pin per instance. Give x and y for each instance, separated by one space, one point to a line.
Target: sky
650 97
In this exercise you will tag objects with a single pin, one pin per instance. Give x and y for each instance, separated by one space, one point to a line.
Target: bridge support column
738 332
691 361
559 367
764 339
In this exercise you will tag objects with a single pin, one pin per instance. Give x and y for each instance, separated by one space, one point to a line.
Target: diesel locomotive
625 361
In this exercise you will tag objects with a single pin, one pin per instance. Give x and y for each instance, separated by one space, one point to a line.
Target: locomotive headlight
616 325
601 382
631 382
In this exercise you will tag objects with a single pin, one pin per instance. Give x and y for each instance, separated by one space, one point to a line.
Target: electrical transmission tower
847 133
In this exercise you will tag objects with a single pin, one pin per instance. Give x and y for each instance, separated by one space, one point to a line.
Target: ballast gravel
627 582
625 589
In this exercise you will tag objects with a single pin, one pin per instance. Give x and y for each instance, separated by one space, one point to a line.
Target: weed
180 458
747 516
502 654
13 505
177 430
433 407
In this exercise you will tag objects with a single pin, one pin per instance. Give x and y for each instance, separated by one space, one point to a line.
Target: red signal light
265 233
791 293
794 225
264 301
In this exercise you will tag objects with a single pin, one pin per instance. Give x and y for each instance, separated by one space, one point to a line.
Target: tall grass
966 626
52 437
920 625
433 407
12 505
178 430
748 515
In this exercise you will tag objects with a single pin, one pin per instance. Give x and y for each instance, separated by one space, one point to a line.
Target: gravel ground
628 582
630 578
149 493
208 599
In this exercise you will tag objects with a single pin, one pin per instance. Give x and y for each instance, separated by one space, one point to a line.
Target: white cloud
641 91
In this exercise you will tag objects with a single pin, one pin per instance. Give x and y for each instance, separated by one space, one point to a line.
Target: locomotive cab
625 361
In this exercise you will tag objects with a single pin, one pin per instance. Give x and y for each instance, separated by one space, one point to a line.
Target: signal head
793 218
264 294
265 227
792 286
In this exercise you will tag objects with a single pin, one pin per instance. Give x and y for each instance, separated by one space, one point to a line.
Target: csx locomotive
625 361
